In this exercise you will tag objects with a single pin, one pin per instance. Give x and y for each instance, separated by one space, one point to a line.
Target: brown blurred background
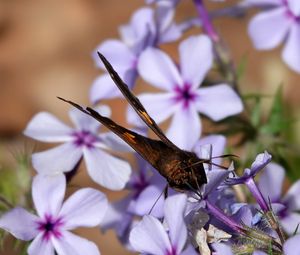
45 51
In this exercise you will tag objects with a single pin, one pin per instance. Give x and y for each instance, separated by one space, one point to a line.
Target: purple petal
291 51
150 200
111 140
218 102
294 6
185 128
47 128
222 249
75 245
292 197
103 88
196 59
117 53
263 2
291 246
174 210
160 106
106 170
48 192
149 236
215 178
19 223
84 122
157 68
85 208
40 246
270 182
290 222
260 162
62 158
268 29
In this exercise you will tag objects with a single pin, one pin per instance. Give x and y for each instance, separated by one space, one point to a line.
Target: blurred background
45 51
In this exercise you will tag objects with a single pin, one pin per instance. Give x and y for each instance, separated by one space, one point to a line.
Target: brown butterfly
182 169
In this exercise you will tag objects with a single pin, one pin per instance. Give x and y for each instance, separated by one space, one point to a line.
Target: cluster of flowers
210 220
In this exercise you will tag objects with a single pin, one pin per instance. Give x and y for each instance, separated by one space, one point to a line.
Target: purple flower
281 23
151 237
146 28
270 184
291 246
183 99
81 141
50 229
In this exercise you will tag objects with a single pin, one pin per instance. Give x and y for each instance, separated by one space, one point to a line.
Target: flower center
50 226
289 12
84 138
184 94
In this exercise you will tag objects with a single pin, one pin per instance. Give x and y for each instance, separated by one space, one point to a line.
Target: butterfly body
182 169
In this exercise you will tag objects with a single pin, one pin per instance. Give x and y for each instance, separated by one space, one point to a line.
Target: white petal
270 182
149 236
160 106
294 7
263 2
103 88
290 222
291 51
62 158
117 53
185 128
268 29
196 57
48 192
157 68
292 196
174 210
291 246
108 171
47 128
70 244
218 102
20 223
85 208
112 141
40 246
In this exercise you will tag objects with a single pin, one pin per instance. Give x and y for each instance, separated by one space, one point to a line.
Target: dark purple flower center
50 226
84 138
138 184
289 13
185 94
172 251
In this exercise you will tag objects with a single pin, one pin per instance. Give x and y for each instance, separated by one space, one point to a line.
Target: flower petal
291 246
185 128
108 171
174 211
263 2
215 177
62 158
75 245
48 192
292 197
20 223
117 53
290 223
149 236
261 160
294 7
111 140
160 106
270 182
157 68
221 248
103 88
40 246
47 128
291 51
85 208
196 57
83 121
218 102
268 29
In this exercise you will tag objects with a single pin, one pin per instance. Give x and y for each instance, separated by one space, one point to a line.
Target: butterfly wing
135 102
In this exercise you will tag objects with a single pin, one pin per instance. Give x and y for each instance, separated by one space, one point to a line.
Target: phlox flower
276 25
50 230
147 27
182 98
81 141
151 236
270 185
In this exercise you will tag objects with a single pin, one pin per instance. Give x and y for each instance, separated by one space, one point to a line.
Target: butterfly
183 170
